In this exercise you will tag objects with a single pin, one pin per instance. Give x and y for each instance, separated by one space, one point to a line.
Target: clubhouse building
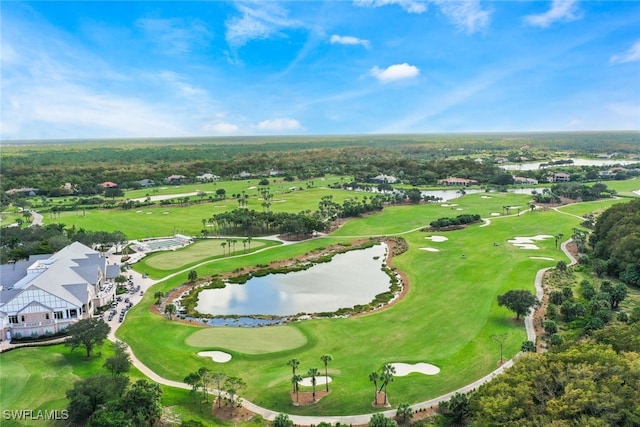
47 293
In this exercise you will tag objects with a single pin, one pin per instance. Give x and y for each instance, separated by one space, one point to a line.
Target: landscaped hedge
450 222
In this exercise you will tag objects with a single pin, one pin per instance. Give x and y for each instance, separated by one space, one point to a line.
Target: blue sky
172 69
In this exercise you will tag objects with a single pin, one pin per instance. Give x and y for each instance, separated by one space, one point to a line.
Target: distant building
24 191
457 182
524 180
559 177
49 292
146 182
175 179
109 184
208 177
383 179
244 175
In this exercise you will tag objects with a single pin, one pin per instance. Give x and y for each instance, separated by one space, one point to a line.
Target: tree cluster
453 222
19 243
616 241
108 401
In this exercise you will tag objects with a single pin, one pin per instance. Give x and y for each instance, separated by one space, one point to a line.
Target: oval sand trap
430 249
437 238
320 380
216 356
495 214
404 369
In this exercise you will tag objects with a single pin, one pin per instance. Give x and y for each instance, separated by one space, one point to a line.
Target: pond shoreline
395 246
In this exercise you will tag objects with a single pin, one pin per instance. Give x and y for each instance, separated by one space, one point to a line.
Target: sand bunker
404 369
430 249
528 242
216 356
319 381
486 197
495 214
437 238
542 257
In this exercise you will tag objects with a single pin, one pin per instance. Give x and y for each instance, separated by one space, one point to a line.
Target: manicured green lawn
37 378
446 319
248 340
198 252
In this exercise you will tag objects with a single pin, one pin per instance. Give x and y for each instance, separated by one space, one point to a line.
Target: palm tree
223 244
294 363
387 377
374 377
313 373
170 310
249 242
326 358
296 386
158 296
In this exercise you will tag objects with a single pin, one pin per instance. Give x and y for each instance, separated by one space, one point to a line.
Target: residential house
175 179
47 293
457 182
524 180
24 191
208 177
109 184
559 177
384 179
146 182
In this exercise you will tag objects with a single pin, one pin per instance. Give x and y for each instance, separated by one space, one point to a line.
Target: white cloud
465 15
410 6
278 125
257 21
221 128
395 72
348 40
631 55
183 88
625 109
561 10
174 36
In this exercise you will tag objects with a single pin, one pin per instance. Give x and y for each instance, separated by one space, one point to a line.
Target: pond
349 279
447 195
576 162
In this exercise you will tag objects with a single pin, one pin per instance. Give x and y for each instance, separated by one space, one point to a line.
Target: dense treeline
616 241
417 159
18 243
586 383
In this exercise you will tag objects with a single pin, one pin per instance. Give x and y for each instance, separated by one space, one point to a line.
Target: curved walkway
361 419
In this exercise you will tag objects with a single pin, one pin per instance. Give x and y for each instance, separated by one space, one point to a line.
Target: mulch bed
225 413
305 398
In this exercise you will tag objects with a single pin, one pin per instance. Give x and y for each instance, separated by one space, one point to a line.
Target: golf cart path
270 415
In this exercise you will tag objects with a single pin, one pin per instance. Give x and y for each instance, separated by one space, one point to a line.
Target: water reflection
351 278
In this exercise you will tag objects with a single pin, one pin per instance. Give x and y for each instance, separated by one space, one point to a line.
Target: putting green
248 340
199 251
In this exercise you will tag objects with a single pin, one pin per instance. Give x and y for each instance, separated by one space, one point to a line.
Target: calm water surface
351 278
